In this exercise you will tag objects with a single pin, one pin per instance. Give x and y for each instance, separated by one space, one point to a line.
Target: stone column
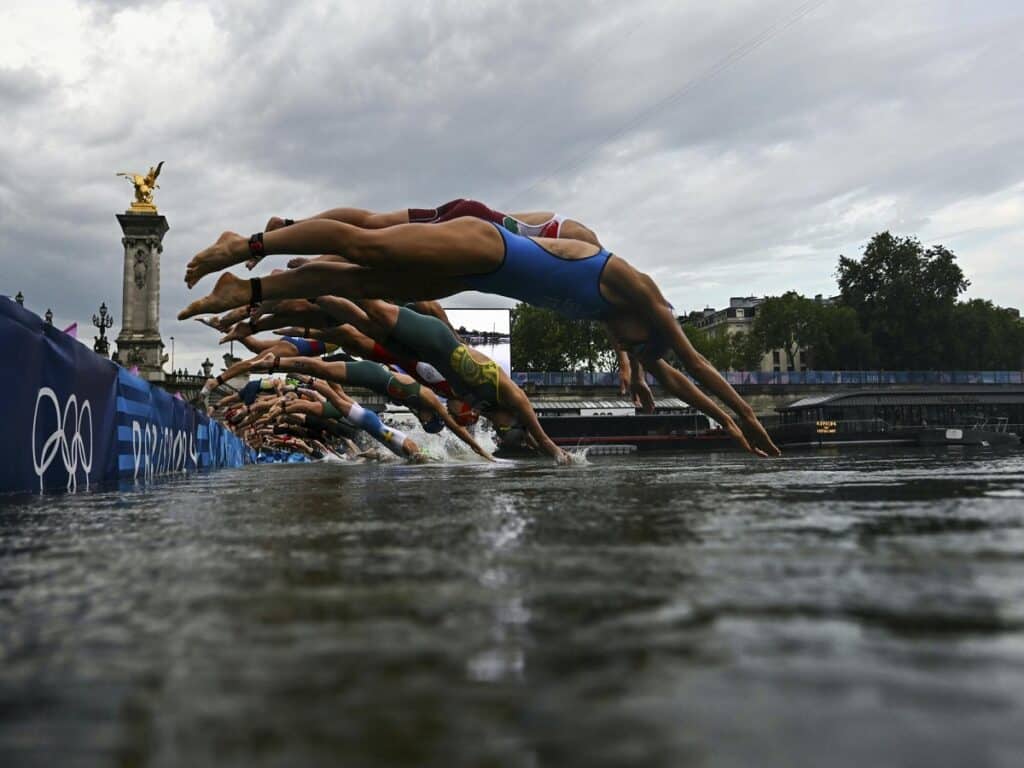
139 343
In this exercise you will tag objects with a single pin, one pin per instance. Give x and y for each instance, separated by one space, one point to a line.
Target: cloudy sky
729 148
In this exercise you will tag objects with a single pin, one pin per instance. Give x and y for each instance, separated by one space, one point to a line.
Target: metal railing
788 378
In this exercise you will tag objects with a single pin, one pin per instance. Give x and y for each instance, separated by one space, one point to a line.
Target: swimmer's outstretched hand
563 459
643 396
758 438
230 248
737 434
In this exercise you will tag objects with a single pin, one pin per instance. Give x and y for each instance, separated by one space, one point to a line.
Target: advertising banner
74 420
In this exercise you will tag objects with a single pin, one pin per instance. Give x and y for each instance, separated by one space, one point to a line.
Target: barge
946 415
615 426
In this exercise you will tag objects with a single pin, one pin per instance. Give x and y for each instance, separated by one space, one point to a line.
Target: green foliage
716 347
737 351
838 342
746 352
986 337
789 322
905 298
543 340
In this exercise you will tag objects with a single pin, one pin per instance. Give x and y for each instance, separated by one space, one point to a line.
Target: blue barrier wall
74 420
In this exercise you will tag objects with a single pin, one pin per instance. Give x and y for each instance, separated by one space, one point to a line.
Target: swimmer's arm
639 387
303 333
528 418
300 321
463 434
305 406
312 366
336 396
625 369
680 386
312 395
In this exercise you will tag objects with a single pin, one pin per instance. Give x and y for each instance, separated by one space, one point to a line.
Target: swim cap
433 425
463 413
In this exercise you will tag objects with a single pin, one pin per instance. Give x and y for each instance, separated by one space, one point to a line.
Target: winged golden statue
144 186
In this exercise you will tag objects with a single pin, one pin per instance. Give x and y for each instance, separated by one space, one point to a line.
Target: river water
827 608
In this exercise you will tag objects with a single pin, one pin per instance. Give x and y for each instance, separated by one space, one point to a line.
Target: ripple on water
832 607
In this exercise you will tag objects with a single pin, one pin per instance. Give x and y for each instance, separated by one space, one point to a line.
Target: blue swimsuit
531 273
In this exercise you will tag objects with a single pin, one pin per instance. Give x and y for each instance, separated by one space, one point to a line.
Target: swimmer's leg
460 247
396 441
318 278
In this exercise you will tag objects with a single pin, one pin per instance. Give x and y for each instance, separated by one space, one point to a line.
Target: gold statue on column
144 186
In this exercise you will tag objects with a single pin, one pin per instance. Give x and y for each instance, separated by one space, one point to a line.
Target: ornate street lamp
48 317
20 298
102 321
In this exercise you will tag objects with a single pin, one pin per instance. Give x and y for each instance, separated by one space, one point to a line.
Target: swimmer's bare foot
239 330
274 222
298 261
264 362
228 293
212 322
230 318
230 248
757 435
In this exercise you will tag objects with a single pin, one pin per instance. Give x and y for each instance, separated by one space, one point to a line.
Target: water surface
827 608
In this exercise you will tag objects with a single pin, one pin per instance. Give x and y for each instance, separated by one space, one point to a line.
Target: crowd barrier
74 420
788 378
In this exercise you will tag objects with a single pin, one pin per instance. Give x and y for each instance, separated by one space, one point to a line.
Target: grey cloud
748 182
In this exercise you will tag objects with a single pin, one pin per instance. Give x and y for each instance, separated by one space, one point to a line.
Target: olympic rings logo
72 448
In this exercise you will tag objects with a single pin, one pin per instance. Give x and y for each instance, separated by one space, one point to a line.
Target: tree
543 340
588 346
537 340
716 347
904 297
789 322
746 352
838 342
987 338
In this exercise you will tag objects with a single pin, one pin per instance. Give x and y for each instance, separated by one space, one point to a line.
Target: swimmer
530 224
357 343
399 388
345 407
430 261
478 383
282 347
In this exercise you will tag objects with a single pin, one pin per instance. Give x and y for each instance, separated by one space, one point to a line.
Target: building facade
737 318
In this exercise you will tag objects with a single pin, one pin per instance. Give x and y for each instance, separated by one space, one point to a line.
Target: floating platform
967 436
